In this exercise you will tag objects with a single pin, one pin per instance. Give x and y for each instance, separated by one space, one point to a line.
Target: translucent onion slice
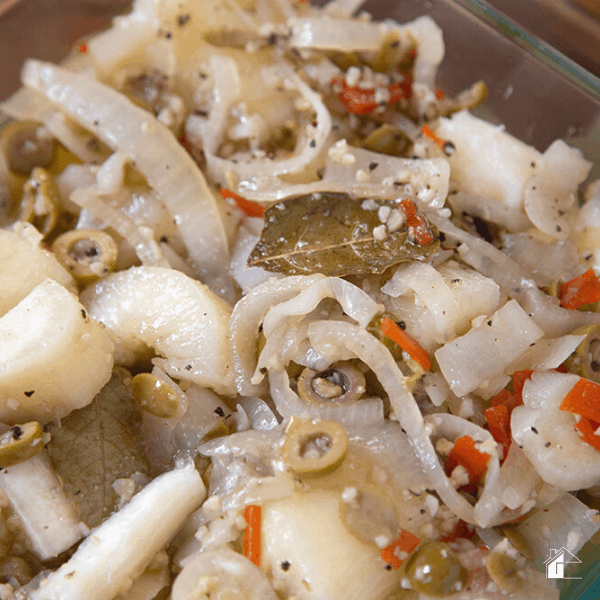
373 353
343 35
548 354
167 166
547 389
550 442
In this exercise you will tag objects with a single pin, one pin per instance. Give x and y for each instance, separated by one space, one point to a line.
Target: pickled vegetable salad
274 307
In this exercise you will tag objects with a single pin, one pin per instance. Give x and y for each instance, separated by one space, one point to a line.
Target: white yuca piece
291 530
488 161
175 315
482 354
24 264
47 517
169 169
53 357
118 551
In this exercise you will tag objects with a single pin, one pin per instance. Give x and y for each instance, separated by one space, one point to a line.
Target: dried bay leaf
96 445
331 234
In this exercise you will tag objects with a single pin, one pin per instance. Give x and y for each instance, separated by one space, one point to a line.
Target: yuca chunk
160 309
53 357
24 264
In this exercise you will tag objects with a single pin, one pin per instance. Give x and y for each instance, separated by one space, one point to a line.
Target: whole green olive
585 361
433 569
504 572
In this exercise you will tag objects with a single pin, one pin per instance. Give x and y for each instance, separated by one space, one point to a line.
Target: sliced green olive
504 572
24 148
468 98
585 361
374 328
20 443
314 447
554 288
387 139
519 542
369 514
433 569
386 59
87 254
154 396
342 382
40 203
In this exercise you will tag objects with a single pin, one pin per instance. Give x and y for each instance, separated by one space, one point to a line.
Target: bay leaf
331 234
96 445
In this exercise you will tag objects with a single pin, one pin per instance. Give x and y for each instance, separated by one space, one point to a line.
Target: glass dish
537 93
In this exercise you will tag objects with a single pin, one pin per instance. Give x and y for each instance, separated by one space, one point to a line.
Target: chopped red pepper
406 342
584 289
583 399
183 141
498 422
406 542
416 221
248 207
252 516
519 379
587 428
465 454
461 530
439 93
83 48
439 142
360 101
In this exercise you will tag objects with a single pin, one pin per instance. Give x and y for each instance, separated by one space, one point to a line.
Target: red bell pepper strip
583 399
405 543
252 516
415 220
587 427
406 342
584 289
360 101
248 207
465 454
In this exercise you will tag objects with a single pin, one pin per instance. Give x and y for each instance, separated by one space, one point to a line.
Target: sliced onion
164 162
550 192
550 442
547 389
377 357
548 354
343 35
487 209
543 262
246 319
566 523
223 571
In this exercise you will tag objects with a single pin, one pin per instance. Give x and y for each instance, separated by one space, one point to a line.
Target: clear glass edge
535 46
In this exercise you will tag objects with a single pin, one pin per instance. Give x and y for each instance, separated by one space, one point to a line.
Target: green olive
386 59
469 98
40 203
87 254
387 139
374 328
342 382
24 148
369 514
20 443
519 542
504 572
433 569
154 396
14 567
585 361
554 288
314 447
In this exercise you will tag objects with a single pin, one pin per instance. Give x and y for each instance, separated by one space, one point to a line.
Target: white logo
555 565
